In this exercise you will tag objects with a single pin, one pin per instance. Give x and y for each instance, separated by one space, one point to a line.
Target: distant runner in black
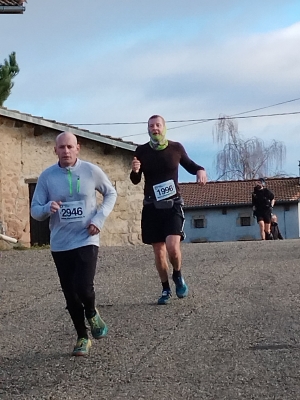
263 202
275 228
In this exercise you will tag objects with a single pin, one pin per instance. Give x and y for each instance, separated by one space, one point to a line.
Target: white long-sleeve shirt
76 188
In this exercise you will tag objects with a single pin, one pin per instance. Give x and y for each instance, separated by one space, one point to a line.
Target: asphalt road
235 337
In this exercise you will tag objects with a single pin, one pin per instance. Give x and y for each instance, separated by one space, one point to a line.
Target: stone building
27 148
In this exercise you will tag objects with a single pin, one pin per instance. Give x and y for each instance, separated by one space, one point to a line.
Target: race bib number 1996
72 211
164 190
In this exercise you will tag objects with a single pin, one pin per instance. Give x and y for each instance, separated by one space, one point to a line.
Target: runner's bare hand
55 206
201 177
93 230
136 165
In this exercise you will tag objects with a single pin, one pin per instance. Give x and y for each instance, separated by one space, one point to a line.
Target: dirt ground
237 335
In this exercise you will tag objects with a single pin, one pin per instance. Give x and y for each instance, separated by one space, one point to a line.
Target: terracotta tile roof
232 193
14 3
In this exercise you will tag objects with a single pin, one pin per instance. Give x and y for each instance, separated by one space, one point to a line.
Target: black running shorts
264 215
157 224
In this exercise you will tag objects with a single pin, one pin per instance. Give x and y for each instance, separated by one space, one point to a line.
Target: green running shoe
82 347
165 297
98 326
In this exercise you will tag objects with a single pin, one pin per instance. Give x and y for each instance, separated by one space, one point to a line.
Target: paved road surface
235 337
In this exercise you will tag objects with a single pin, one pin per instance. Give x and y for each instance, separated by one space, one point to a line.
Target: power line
185 120
273 105
229 117
216 119
235 116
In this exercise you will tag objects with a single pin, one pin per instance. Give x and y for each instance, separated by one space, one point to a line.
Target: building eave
237 205
60 127
12 9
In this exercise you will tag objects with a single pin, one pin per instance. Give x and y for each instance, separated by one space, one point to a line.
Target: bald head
66 135
274 218
67 149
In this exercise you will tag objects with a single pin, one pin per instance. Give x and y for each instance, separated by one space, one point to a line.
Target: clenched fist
135 165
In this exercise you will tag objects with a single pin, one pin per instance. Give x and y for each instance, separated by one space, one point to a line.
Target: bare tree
245 158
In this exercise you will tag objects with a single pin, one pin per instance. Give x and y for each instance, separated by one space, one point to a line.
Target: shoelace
93 322
81 343
96 324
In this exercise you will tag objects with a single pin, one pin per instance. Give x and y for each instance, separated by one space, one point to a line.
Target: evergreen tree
8 71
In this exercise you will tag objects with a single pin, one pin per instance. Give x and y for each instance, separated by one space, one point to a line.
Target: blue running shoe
98 326
182 289
165 297
82 347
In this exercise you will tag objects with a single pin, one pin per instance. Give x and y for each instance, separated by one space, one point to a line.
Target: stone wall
23 156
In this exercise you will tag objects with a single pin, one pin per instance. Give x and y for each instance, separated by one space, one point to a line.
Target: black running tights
76 270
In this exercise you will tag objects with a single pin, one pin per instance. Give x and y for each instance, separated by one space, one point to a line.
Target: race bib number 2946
72 211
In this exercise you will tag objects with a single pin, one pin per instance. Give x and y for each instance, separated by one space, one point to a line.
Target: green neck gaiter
158 142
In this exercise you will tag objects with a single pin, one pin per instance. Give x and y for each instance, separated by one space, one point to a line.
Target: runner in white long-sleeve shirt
66 192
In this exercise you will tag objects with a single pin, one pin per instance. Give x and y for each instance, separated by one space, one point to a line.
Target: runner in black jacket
275 228
263 203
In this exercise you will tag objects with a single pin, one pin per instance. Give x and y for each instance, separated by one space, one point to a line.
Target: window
287 207
199 223
224 211
245 221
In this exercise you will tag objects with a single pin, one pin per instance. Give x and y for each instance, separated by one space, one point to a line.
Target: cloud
122 61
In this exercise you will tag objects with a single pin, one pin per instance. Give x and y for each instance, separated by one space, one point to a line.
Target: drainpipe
284 223
12 9
298 199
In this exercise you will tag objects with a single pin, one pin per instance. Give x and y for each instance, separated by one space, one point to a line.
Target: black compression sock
176 274
166 285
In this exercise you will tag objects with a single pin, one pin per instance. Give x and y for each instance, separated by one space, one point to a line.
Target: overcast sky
84 62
